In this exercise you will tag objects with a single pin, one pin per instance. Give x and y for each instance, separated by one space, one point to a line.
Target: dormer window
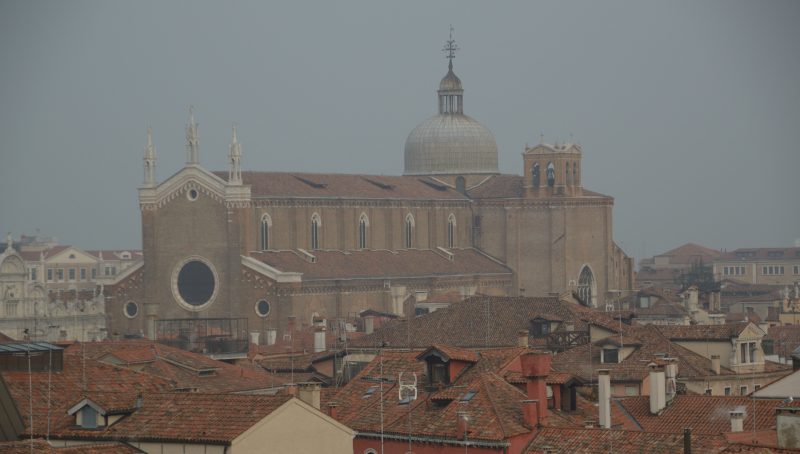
540 327
609 355
87 418
438 372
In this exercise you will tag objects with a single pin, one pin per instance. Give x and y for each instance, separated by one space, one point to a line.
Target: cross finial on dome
450 48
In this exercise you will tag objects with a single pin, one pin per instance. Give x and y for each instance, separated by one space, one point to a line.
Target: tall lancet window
316 222
266 223
536 175
568 175
451 231
363 224
409 231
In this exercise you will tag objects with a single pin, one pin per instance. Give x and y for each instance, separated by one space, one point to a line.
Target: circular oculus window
262 308
192 194
194 283
131 309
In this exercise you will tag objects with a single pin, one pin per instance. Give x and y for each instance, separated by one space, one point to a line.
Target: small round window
262 308
131 309
192 194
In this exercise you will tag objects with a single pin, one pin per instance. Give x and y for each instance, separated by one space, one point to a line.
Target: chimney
658 394
670 379
604 394
463 424
522 338
737 420
309 392
291 389
319 339
786 426
687 440
715 364
369 324
536 367
529 408
692 299
333 410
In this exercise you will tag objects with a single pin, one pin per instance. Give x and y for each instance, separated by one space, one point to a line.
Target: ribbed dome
450 82
450 144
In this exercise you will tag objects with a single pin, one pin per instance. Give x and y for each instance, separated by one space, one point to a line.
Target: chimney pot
737 420
522 338
715 364
333 410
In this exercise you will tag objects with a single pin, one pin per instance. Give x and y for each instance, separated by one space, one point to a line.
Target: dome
450 144
450 82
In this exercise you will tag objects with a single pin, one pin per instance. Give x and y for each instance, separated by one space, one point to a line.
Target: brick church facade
267 246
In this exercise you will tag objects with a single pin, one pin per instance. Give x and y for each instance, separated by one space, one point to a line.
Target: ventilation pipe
604 394
657 389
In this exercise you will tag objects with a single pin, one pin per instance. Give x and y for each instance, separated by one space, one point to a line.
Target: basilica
269 248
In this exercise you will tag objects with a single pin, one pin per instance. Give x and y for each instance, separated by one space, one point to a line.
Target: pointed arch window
551 174
536 176
363 225
587 289
451 230
409 231
575 173
266 223
316 222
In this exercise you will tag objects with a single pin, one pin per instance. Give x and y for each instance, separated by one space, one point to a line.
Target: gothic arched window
266 223
568 175
363 223
587 288
316 222
575 173
551 175
451 230
535 174
409 231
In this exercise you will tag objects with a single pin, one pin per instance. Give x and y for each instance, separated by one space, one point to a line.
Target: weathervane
450 48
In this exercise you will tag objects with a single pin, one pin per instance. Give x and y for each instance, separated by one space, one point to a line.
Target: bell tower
552 170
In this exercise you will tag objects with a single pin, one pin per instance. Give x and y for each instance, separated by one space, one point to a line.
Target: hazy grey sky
688 112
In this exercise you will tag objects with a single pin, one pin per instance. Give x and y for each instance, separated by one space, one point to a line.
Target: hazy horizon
688 113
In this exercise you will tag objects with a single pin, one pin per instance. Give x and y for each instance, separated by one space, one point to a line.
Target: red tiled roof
495 407
686 254
43 447
506 186
382 264
181 367
350 186
481 322
707 415
785 339
591 441
702 332
458 354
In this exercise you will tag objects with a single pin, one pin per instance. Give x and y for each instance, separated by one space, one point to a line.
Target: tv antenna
407 389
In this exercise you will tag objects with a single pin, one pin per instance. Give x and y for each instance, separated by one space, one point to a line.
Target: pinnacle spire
149 160
192 142
235 156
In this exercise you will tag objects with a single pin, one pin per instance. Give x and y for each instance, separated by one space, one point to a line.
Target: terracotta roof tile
483 322
702 332
350 186
43 447
704 414
761 254
382 264
591 441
